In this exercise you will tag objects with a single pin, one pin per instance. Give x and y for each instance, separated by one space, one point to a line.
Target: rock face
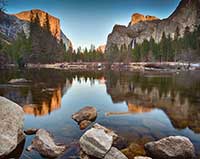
101 48
11 25
11 126
173 147
45 145
141 27
53 21
85 116
136 18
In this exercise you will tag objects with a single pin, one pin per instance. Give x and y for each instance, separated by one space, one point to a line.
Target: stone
142 157
31 131
95 142
107 131
173 147
86 113
84 124
133 150
11 126
18 80
114 153
120 142
45 145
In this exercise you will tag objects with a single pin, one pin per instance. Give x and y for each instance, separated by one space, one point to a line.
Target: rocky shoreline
117 66
97 142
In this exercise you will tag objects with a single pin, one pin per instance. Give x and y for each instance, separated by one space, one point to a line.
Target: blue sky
88 22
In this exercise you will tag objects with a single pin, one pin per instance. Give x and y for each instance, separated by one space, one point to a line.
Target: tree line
168 49
85 55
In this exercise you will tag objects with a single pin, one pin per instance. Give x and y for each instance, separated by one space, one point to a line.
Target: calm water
139 106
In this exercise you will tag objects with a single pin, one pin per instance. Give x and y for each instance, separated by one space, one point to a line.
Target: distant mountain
46 46
54 22
141 27
101 48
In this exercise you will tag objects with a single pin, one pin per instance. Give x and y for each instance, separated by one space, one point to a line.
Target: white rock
11 126
114 153
96 142
173 147
45 145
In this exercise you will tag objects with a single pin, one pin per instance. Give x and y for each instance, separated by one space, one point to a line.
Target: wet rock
133 150
107 131
114 153
86 113
85 116
45 145
142 157
173 147
84 124
18 80
120 142
95 142
31 131
11 126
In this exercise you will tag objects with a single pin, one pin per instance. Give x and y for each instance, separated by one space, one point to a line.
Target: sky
87 22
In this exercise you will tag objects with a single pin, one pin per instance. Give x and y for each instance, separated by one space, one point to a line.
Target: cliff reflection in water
46 106
178 97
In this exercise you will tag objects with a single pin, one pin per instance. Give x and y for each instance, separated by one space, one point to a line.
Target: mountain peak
137 17
54 22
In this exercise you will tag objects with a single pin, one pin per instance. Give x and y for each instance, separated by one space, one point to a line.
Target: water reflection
139 106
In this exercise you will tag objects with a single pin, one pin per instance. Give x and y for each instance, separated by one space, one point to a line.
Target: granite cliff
141 27
11 25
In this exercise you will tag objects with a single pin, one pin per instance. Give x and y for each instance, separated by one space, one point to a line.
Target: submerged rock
45 145
18 80
84 124
133 150
142 157
96 142
173 147
85 116
31 131
114 153
11 126
86 113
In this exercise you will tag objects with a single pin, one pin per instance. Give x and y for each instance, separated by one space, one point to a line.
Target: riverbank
117 66
134 66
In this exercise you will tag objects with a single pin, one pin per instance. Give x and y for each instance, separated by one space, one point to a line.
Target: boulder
96 142
18 80
31 131
11 126
45 145
107 131
86 113
84 124
114 153
142 157
173 147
